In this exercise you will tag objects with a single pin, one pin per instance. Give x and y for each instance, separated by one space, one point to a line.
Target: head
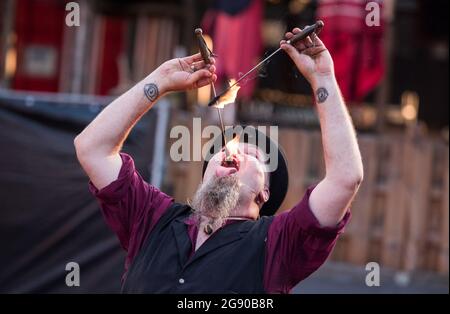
236 188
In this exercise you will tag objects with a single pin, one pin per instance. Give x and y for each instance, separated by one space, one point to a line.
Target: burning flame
230 96
232 146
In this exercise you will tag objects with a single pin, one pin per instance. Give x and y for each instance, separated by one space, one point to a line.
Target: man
221 244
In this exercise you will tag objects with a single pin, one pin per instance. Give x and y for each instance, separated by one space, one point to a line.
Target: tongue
225 171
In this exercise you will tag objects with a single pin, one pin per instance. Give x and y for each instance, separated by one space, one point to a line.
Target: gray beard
216 198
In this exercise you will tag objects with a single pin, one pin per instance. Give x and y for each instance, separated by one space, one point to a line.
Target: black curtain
48 218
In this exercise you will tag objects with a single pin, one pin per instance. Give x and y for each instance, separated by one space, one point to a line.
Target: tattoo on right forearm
322 94
151 91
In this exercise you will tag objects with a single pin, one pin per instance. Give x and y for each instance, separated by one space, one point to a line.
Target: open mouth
231 162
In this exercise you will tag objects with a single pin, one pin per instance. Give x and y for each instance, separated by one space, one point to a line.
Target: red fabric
113 45
237 42
357 49
296 243
38 23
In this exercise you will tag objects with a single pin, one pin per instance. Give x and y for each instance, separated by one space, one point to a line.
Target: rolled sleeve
297 246
309 224
115 191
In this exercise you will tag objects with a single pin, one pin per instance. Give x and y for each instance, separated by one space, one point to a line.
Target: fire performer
221 242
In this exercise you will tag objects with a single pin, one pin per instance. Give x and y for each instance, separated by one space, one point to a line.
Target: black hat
279 178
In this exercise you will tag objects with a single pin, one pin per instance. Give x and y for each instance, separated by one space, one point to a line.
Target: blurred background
55 78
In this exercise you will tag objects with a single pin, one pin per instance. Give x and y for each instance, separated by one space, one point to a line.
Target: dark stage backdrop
48 218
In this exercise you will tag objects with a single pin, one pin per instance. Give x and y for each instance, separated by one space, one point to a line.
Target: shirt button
181 281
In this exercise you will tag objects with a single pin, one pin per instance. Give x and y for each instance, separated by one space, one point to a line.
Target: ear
262 197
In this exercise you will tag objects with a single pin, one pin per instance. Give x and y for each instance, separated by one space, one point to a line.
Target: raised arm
99 144
331 198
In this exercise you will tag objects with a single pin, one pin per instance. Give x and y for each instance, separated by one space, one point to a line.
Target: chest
201 238
227 261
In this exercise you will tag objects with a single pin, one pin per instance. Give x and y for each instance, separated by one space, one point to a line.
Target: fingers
201 78
299 45
206 81
201 65
317 41
289 49
314 51
197 58
193 58
309 42
195 66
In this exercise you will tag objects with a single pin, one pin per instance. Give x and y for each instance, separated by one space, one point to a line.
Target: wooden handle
308 30
204 51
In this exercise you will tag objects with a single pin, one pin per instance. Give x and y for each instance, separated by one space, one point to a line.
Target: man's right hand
99 144
185 73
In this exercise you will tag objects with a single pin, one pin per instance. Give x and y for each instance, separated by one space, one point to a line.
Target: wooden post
7 20
394 206
444 234
189 18
80 48
418 183
384 90
77 40
296 146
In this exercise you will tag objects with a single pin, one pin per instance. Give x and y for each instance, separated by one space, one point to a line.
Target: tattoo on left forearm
322 94
151 91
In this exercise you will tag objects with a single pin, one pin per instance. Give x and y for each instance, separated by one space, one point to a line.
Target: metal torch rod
219 111
206 55
308 30
253 69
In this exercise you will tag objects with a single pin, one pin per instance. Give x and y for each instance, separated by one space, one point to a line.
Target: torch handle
308 30
204 51
206 56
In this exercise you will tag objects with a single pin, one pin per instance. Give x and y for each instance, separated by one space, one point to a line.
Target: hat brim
279 178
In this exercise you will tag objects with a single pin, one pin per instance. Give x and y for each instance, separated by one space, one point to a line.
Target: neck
249 211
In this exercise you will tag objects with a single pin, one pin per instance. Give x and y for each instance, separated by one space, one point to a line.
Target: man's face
248 166
228 186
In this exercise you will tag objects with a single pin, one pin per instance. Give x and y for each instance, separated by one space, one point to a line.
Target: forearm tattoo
322 94
151 91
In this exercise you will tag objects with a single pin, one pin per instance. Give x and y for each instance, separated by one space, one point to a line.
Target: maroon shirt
296 243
